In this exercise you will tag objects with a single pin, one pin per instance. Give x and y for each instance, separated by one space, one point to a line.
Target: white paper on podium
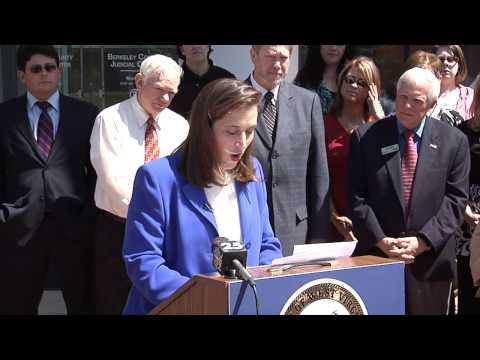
318 252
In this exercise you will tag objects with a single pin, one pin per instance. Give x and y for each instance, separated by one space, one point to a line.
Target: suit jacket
30 185
296 168
475 256
439 193
170 229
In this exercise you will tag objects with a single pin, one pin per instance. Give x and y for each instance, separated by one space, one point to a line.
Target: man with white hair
125 136
408 188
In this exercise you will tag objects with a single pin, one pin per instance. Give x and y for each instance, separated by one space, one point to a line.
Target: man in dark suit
407 183
290 145
46 189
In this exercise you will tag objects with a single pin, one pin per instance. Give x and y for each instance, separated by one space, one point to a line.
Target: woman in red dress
357 103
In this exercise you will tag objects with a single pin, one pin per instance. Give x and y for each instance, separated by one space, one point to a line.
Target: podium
357 286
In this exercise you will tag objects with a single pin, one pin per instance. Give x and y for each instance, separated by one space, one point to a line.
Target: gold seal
328 298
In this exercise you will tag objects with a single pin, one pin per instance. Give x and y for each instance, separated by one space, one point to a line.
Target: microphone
229 259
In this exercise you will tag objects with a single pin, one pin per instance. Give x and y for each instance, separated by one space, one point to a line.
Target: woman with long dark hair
322 66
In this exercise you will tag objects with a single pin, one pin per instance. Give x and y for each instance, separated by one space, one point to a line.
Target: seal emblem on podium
325 297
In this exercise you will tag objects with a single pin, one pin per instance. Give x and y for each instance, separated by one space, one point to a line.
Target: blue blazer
169 231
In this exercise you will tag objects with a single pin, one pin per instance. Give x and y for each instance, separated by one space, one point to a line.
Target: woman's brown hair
199 159
425 60
462 63
369 71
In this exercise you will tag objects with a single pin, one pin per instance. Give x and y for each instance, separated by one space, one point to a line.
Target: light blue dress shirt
34 112
417 138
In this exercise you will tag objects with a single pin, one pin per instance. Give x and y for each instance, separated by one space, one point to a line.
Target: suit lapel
426 157
244 197
65 114
23 125
284 111
196 196
393 159
262 132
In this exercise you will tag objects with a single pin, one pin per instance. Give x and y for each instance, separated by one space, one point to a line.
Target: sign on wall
121 65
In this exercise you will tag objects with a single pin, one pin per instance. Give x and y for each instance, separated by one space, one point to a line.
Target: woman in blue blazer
210 187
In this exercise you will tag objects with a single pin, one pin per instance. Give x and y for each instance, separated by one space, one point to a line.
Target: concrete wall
236 59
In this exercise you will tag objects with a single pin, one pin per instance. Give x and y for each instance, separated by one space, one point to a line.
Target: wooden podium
357 285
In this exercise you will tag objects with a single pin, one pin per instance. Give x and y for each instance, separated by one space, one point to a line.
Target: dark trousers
23 269
426 297
467 303
112 284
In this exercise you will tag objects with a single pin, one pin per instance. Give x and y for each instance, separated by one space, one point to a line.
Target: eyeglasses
37 68
352 80
448 59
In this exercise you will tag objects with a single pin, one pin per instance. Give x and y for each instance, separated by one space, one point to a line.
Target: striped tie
152 149
270 112
44 129
409 163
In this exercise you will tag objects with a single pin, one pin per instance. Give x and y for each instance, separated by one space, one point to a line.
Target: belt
113 217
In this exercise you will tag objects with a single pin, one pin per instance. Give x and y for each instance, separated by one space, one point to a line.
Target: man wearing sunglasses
46 189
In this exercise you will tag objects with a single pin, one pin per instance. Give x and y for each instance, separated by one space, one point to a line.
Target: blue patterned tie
44 129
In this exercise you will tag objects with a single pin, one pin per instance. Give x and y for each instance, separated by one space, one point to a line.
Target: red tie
409 163
152 150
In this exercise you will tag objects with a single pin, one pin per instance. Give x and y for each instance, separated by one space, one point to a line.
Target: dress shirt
263 91
118 149
34 112
224 202
417 138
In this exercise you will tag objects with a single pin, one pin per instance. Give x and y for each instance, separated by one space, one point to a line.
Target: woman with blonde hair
357 102
425 60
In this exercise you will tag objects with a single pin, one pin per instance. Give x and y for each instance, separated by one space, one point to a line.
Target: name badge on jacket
390 149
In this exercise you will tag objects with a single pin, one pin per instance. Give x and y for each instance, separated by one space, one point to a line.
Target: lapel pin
433 146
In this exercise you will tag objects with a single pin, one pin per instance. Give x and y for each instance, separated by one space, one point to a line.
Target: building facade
104 74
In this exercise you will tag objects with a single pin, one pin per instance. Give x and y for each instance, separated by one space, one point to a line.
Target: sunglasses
37 68
352 80
448 59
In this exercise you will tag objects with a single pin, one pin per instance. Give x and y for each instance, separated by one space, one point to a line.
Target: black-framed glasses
350 80
448 59
37 68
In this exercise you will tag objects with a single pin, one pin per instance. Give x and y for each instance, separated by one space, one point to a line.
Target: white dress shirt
263 91
118 149
224 202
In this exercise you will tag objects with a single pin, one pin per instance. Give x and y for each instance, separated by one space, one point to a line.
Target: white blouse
224 202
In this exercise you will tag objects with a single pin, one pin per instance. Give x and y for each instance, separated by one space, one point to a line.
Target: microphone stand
245 275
